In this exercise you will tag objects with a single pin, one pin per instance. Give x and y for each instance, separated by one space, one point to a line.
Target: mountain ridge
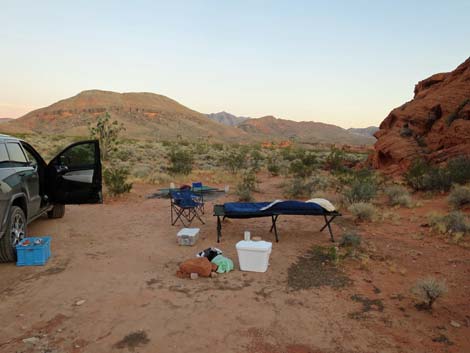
148 115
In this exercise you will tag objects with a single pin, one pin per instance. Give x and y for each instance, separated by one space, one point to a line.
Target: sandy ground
120 258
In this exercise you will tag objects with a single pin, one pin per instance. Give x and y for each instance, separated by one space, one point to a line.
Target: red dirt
121 258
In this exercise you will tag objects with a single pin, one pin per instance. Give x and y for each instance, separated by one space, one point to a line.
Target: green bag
224 264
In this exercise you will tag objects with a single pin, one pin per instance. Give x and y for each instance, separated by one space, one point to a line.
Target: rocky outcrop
435 125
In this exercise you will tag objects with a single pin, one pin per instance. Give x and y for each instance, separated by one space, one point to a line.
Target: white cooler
253 255
187 236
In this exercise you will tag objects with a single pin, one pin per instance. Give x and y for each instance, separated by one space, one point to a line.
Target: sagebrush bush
304 165
425 177
298 188
235 160
350 239
116 180
454 222
428 290
363 211
459 196
335 160
398 196
273 166
246 186
256 159
181 161
361 191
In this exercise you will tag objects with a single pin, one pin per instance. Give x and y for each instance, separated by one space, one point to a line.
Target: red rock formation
435 125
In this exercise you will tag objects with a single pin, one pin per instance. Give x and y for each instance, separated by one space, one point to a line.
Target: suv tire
15 232
57 211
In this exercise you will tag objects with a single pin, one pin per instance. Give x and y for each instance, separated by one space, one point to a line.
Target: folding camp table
246 210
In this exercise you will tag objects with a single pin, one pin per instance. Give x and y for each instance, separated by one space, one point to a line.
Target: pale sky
342 62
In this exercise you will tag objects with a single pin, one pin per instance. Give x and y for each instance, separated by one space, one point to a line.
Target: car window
16 153
31 158
82 155
3 153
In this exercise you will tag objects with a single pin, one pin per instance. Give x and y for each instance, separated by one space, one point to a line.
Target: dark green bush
304 165
425 177
246 186
116 180
181 161
273 166
256 159
459 169
361 191
235 160
335 160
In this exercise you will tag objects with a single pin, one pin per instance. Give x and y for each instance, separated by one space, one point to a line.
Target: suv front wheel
15 232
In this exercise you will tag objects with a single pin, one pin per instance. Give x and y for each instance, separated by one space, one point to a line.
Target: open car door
74 175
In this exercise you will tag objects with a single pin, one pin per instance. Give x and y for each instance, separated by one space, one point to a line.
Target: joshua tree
107 133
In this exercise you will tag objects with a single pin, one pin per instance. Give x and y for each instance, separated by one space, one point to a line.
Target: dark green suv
29 187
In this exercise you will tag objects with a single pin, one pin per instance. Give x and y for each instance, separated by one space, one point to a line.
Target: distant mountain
302 131
145 115
4 120
153 116
366 131
227 118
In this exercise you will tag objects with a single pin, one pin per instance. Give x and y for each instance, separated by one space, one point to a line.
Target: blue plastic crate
33 254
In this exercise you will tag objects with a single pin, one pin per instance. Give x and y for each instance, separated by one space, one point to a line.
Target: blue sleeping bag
253 209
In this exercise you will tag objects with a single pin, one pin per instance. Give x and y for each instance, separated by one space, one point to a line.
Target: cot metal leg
219 229
327 224
274 219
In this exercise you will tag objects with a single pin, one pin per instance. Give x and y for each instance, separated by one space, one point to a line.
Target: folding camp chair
199 192
184 207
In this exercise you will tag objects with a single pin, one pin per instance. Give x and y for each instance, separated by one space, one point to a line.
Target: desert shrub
304 165
459 196
298 188
423 176
319 182
350 239
123 154
141 171
181 161
428 290
398 196
361 191
363 211
335 160
157 177
453 223
246 186
116 180
459 170
234 160
256 159
273 166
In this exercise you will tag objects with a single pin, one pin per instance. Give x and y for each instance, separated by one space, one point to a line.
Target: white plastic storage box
253 255
187 236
